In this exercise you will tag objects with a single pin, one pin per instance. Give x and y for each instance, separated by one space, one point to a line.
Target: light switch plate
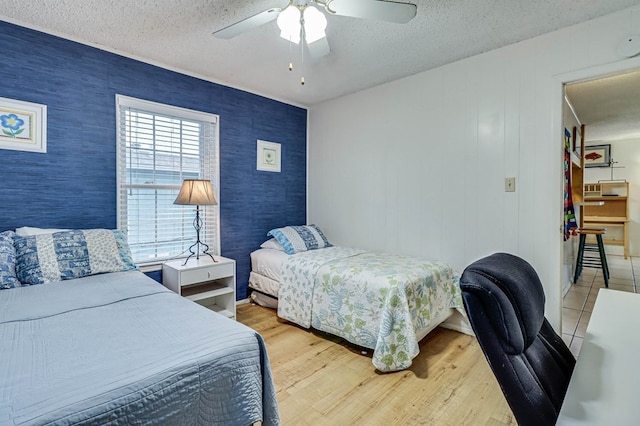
510 184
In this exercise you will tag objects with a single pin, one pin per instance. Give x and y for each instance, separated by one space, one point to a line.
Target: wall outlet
510 184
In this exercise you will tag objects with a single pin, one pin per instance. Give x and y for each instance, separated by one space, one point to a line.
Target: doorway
603 99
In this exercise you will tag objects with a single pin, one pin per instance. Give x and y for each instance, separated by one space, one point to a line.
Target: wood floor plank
323 380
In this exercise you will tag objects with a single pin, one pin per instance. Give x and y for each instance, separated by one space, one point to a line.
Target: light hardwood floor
322 380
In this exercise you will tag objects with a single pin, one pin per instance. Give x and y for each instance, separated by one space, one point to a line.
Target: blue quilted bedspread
120 349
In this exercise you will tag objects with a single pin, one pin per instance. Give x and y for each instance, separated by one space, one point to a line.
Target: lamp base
197 255
197 224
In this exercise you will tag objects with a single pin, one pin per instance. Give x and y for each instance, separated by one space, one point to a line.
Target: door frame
559 80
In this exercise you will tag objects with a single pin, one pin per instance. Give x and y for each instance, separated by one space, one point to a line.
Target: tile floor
579 300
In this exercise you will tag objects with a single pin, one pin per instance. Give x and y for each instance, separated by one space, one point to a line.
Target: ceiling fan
301 19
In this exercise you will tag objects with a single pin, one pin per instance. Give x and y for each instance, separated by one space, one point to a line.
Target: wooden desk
608 222
606 204
605 385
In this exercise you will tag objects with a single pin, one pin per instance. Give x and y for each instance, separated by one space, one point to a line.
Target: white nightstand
210 284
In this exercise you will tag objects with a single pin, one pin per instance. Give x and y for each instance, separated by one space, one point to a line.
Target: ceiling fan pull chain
290 57
302 60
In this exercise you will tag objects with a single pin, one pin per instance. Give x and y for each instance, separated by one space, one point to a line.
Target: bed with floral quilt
378 301
383 302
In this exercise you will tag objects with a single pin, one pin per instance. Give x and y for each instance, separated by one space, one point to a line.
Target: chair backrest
504 300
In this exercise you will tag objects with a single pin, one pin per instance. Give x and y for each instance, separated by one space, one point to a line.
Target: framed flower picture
23 126
268 156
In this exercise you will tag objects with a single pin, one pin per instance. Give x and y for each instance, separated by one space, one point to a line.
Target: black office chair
504 300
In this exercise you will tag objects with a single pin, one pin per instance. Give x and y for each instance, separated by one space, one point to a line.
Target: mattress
121 349
264 278
263 284
268 263
264 300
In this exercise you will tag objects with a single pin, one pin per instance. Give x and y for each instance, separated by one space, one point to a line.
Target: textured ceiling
608 107
176 34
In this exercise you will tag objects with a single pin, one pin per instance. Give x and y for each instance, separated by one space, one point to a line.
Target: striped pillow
296 239
66 255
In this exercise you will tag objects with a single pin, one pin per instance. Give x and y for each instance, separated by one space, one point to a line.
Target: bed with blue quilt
117 348
379 301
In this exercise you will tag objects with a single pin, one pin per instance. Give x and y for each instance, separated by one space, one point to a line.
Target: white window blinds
158 147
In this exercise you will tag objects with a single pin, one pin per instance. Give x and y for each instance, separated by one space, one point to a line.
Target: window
158 147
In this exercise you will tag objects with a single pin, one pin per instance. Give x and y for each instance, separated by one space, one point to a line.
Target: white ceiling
177 34
609 107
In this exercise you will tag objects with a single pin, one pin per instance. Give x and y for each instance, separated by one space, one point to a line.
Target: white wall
417 166
627 153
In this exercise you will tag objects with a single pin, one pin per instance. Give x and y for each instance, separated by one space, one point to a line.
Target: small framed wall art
23 126
597 156
268 156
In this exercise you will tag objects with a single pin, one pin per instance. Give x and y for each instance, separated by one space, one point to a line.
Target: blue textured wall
73 185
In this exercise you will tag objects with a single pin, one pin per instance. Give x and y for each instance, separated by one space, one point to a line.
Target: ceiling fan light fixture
314 24
289 24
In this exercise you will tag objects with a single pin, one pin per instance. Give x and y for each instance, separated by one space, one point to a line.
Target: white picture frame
268 156
23 126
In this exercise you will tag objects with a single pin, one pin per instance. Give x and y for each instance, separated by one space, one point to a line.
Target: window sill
150 267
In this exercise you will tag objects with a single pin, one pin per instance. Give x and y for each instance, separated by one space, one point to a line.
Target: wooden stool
591 261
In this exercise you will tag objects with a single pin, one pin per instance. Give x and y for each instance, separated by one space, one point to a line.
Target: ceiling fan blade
248 24
319 48
382 10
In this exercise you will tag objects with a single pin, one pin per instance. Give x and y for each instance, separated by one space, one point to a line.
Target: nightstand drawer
210 273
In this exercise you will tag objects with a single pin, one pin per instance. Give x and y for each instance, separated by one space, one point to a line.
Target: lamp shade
196 192
289 24
314 24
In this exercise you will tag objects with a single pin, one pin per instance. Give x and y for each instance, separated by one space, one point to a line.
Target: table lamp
197 192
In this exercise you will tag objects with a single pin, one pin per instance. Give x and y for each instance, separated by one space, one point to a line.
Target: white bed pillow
272 244
26 231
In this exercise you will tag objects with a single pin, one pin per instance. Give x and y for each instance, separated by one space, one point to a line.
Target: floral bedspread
374 300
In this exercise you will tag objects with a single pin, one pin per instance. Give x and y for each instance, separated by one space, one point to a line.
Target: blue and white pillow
8 278
66 255
296 239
